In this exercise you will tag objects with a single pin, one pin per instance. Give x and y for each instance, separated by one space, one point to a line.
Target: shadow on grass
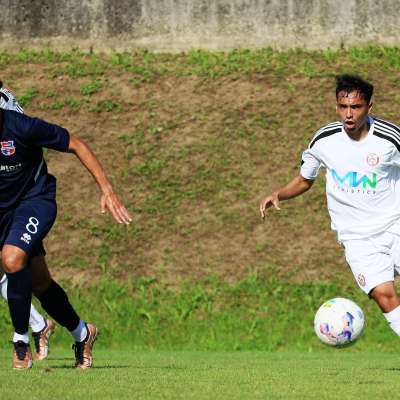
117 367
94 367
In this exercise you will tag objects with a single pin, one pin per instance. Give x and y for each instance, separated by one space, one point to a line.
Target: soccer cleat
42 340
22 355
83 350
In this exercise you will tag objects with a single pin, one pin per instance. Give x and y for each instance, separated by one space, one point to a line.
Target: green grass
336 374
144 67
256 313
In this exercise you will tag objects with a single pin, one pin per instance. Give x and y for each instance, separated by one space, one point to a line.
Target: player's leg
387 299
55 302
19 295
42 328
373 268
21 237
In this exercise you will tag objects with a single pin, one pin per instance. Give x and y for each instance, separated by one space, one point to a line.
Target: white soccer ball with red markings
339 322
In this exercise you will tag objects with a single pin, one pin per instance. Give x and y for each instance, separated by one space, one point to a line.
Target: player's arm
295 187
109 200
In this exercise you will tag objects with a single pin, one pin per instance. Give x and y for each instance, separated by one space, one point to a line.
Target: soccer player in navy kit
27 212
42 328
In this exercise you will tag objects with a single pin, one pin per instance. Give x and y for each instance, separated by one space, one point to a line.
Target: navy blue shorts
27 225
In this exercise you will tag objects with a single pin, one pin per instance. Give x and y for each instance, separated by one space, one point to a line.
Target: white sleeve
9 102
396 157
310 164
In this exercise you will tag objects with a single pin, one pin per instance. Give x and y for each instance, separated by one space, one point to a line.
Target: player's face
353 111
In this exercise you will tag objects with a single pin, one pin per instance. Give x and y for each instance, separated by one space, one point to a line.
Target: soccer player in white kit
361 156
42 328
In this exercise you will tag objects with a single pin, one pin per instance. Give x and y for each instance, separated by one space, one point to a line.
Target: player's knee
13 261
386 299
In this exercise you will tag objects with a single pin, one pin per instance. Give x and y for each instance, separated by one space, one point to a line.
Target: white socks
393 317
80 332
36 320
17 337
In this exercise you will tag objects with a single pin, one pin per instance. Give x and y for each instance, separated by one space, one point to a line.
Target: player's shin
55 302
393 317
36 320
19 294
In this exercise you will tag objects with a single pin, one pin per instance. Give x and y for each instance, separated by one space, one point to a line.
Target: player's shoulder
8 101
17 121
326 131
387 131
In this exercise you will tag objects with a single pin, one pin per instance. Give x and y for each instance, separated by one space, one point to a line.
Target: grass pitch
335 374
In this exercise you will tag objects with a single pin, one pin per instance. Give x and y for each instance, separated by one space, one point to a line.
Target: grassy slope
192 142
188 375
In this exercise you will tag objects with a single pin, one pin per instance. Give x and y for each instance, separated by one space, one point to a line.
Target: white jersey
362 177
9 102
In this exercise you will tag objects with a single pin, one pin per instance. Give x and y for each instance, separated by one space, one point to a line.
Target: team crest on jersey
7 147
361 280
372 159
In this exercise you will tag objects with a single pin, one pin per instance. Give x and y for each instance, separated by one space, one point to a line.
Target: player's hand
269 201
111 202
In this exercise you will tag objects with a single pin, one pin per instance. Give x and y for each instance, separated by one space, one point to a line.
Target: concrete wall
174 25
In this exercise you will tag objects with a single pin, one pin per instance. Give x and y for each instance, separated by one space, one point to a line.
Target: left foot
83 350
42 340
22 355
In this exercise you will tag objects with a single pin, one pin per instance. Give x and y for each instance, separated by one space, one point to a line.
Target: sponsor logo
7 147
10 168
361 280
354 179
372 159
26 237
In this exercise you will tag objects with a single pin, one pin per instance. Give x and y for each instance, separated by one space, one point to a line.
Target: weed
92 87
26 98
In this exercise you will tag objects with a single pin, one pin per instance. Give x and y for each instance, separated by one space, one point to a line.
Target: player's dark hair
349 83
1 84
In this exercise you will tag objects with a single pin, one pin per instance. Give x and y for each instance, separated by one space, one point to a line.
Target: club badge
361 280
7 147
372 159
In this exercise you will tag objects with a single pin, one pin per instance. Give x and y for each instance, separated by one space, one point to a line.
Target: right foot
22 355
42 340
83 350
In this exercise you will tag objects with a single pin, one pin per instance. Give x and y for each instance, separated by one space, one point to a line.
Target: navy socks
55 302
19 293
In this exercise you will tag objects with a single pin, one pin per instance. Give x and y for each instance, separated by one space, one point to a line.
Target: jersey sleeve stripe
388 124
9 102
387 137
324 134
325 128
4 96
387 133
387 129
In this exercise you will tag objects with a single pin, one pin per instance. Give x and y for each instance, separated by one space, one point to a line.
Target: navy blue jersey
23 171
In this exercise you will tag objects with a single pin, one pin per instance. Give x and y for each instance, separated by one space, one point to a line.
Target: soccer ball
339 322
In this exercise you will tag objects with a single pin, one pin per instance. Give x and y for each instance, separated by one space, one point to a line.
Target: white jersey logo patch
372 159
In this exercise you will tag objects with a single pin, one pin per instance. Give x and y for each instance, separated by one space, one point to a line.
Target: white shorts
374 260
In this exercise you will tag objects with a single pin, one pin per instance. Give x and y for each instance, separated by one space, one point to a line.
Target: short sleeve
396 157
51 136
310 164
9 102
